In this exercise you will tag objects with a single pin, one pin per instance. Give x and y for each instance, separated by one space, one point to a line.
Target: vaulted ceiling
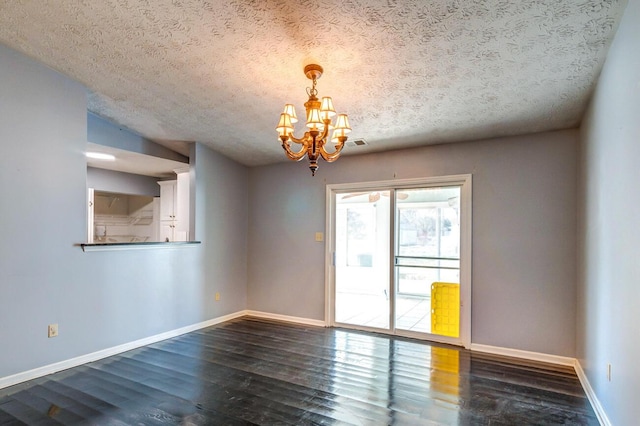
408 72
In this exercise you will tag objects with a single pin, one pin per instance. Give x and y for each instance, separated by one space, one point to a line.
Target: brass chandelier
319 117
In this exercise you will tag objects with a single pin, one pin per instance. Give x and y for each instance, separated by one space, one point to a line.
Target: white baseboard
553 359
286 318
591 395
94 356
516 353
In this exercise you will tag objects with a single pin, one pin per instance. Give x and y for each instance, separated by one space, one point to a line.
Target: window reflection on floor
429 387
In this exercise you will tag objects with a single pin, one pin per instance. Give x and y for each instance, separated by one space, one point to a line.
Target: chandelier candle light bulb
319 114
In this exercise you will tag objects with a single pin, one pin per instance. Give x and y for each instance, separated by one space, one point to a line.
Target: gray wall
609 248
99 299
221 213
125 183
524 233
103 132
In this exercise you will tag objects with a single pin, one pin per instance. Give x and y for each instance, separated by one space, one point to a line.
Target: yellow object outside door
445 309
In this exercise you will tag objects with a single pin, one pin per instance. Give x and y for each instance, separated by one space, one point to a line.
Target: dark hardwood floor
251 371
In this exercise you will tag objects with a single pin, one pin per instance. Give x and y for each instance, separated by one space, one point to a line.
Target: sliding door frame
465 183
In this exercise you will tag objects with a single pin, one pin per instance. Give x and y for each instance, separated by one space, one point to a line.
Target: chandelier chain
312 91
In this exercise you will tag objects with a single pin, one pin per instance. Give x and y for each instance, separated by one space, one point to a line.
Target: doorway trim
465 183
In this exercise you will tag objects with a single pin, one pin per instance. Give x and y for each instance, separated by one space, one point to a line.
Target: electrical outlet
609 372
52 330
217 297
319 236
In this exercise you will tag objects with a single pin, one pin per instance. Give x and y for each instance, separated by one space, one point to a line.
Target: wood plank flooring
251 371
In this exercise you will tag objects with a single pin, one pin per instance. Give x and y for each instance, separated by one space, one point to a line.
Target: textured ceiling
408 72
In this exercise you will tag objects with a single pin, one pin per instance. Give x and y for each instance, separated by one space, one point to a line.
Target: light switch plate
319 236
52 330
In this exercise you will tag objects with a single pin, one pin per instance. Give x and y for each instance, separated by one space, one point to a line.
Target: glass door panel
427 260
362 259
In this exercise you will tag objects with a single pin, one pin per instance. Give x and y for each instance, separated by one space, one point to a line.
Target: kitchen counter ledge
86 247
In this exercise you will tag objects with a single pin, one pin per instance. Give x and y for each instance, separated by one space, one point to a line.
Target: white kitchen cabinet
167 230
168 200
182 204
174 208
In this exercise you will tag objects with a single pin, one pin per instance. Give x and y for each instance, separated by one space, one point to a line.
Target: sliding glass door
362 259
396 255
427 259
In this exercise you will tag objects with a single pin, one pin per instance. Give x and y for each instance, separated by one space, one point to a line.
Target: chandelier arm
333 156
325 132
302 141
295 156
